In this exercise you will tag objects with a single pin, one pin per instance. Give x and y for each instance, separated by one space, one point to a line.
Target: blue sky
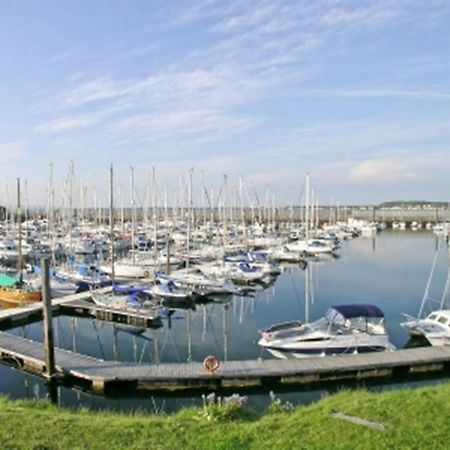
357 93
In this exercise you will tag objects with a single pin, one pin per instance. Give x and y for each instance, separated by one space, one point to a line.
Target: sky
355 93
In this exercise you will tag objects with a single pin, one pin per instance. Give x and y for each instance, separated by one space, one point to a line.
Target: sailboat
15 291
436 326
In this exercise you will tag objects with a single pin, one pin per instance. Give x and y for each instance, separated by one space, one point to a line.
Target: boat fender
211 364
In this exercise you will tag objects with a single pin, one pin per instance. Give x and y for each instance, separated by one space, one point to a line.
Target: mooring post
49 349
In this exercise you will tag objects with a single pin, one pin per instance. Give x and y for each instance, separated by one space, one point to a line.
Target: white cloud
183 122
369 93
66 123
404 167
381 170
373 14
98 89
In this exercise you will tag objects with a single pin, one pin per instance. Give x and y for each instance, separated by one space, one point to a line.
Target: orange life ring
211 364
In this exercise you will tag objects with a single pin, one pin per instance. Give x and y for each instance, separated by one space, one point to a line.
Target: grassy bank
417 418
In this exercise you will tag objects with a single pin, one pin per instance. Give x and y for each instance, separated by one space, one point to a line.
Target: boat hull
17 297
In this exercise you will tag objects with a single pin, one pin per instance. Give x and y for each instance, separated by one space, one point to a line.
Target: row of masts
79 203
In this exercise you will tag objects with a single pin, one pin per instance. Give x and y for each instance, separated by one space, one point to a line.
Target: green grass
414 419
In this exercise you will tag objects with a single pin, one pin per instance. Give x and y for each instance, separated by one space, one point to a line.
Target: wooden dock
77 305
143 317
22 315
110 377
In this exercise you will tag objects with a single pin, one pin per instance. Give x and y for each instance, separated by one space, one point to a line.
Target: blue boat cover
349 311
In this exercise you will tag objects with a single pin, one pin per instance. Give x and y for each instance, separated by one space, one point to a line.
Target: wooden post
47 316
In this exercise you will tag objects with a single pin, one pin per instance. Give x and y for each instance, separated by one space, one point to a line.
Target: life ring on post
211 364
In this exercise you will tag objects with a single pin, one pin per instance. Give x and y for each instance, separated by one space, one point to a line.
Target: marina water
390 270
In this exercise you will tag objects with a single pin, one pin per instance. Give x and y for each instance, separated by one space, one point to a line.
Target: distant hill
413 204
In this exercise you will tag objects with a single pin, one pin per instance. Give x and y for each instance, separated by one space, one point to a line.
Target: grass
413 419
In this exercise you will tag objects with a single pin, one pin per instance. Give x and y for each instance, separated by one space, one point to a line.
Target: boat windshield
340 323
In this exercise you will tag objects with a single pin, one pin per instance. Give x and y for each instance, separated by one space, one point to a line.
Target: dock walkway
110 376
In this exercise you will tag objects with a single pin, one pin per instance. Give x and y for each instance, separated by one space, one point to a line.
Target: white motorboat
435 327
345 329
169 290
199 283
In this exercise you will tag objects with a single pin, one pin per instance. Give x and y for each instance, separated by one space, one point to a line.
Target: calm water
390 271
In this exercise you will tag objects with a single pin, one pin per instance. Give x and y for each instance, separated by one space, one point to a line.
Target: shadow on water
417 341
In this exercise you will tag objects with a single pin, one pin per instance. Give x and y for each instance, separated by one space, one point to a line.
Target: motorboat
345 329
198 283
171 296
133 302
435 327
169 290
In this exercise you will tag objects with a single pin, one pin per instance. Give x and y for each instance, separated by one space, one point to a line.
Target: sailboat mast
307 206
111 217
155 216
189 219
19 224
133 211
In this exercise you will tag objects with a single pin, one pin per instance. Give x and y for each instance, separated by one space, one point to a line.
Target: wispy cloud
370 93
94 90
373 14
65 123
183 122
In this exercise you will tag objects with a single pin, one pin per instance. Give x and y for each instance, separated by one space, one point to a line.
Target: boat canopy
350 311
7 281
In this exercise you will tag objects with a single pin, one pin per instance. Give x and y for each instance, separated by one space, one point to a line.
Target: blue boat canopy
350 311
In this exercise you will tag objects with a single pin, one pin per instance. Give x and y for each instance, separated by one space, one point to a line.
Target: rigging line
177 353
211 327
444 294
425 294
141 357
297 294
208 198
302 191
168 336
102 352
